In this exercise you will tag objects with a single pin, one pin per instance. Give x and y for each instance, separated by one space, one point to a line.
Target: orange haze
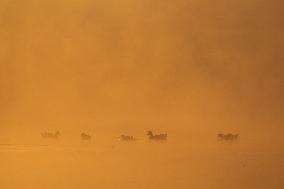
191 68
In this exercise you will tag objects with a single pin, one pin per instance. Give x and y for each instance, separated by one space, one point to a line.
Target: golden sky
188 68
117 64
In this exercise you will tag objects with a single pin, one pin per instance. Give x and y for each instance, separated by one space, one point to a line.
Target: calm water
179 163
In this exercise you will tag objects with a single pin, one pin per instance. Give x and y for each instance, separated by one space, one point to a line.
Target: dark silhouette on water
49 135
85 136
157 137
228 137
127 138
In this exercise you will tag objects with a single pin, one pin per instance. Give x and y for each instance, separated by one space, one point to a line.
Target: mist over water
188 68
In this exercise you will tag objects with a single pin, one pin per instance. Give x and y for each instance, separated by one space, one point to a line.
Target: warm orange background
192 68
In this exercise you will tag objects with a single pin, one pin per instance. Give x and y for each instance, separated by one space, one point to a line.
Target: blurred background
191 68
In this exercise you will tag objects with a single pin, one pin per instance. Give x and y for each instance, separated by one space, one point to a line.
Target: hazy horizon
189 68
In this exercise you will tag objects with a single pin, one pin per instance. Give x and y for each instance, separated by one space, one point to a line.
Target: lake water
178 163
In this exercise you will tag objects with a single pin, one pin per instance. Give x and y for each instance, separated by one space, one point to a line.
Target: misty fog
188 68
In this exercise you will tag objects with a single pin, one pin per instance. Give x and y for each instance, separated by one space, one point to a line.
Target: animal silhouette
228 137
127 138
49 135
85 136
157 137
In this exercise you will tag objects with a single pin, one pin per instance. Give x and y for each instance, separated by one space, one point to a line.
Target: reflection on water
141 164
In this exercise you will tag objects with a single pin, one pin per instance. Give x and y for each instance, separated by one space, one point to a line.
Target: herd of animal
84 136
150 134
